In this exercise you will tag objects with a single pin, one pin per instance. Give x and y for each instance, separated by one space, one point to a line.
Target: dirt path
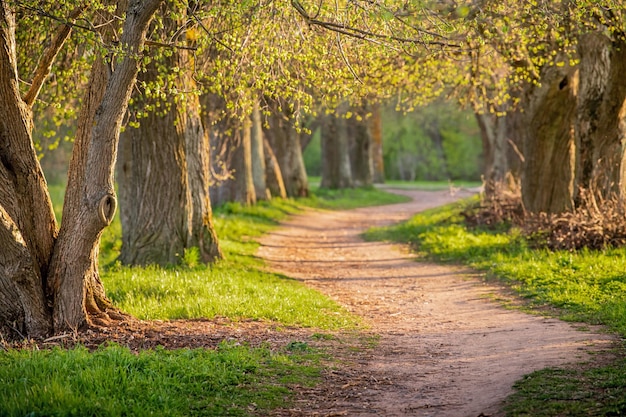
445 348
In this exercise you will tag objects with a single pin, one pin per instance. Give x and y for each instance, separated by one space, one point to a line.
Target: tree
50 282
284 140
164 173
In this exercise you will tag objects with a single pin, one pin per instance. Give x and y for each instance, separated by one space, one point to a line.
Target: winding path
445 348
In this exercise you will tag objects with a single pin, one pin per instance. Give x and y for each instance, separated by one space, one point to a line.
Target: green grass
113 381
586 286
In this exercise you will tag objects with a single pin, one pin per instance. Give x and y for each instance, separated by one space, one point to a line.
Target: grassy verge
586 286
112 381
228 381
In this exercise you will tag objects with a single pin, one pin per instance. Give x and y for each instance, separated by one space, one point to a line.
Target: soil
440 341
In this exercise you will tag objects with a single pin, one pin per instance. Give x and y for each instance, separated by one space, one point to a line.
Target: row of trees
200 101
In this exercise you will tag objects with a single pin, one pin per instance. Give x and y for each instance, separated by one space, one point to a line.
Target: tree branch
45 64
367 35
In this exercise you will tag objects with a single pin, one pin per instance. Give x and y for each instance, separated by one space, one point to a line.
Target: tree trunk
336 167
28 228
163 178
594 52
273 175
238 186
257 156
90 201
376 129
284 140
493 131
549 151
50 283
603 128
361 157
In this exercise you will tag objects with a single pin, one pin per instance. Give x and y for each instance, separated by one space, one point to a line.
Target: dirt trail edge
445 348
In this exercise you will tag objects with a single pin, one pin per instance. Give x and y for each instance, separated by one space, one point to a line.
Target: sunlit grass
585 286
112 381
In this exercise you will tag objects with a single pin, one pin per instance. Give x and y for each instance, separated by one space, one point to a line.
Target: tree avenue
225 90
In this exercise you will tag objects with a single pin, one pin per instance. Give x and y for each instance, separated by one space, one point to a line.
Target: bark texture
236 184
50 283
28 228
284 140
361 156
90 201
336 166
594 52
548 173
608 134
163 177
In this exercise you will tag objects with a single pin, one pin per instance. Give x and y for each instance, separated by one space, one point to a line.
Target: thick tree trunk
163 178
594 52
607 128
336 167
361 157
549 150
27 225
90 200
257 156
376 129
284 140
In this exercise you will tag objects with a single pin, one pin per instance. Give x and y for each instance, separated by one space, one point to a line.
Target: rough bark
361 157
90 201
609 132
549 150
594 52
336 167
49 283
284 140
376 129
257 156
163 178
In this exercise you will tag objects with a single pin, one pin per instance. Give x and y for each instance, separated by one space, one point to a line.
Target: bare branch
367 35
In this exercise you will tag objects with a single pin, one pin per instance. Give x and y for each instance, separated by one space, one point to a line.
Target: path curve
445 348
